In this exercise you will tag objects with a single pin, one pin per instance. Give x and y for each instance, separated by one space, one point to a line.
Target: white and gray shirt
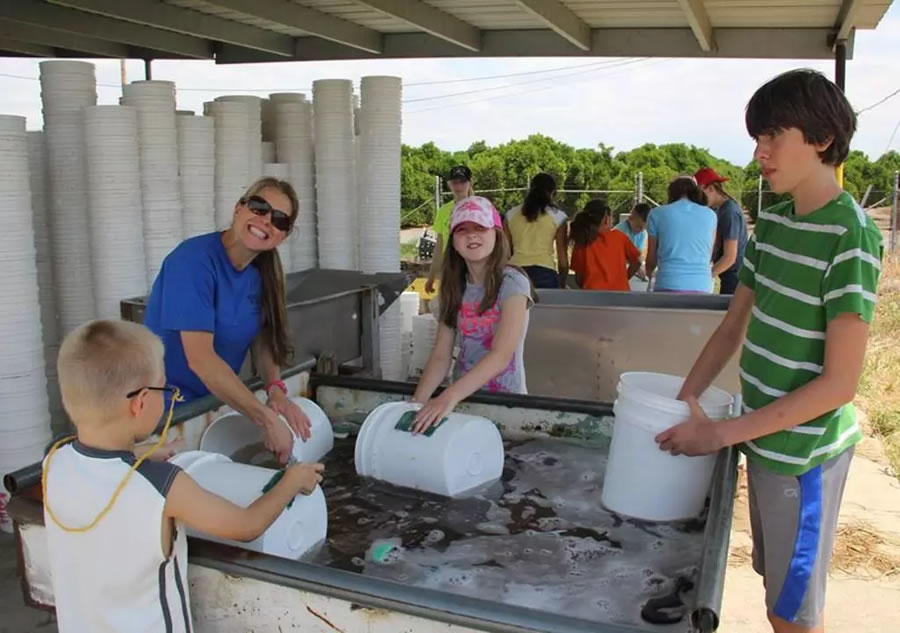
114 577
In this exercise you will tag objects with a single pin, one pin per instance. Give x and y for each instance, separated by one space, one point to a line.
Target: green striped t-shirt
804 271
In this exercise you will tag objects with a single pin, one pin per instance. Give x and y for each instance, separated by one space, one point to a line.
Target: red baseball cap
707 176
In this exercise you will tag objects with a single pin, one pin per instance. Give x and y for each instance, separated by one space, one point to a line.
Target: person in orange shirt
603 259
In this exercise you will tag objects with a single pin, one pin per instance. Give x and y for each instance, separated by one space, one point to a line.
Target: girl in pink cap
484 302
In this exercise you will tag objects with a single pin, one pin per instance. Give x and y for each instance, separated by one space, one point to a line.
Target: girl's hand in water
161 454
433 412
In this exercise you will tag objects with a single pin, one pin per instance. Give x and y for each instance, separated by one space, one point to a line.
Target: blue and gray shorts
794 520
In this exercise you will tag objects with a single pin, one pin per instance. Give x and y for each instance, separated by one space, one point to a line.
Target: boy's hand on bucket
296 419
433 411
695 436
305 476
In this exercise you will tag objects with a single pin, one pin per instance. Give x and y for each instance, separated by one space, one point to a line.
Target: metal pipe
759 193
148 70
840 76
895 195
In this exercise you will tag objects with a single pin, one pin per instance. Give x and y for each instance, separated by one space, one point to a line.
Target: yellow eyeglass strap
176 397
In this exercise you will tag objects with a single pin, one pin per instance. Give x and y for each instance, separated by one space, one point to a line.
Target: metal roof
238 31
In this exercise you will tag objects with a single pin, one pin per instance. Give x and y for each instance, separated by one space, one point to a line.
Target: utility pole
437 196
122 72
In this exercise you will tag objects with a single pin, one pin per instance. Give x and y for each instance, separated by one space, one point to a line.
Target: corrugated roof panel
250 20
490 14
354 12
625 14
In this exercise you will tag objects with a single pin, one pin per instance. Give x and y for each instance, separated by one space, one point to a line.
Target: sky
583 102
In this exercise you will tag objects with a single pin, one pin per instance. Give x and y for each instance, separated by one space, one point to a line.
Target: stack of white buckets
24 411
114 194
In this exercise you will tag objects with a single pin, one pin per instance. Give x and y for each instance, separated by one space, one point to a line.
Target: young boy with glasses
115 523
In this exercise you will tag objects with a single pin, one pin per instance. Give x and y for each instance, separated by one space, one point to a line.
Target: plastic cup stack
197 173
232 176
294 146
379 174
335 179
24 412
253 148
66 88
37 168
160 185
281 172
390 338
114 193
425 328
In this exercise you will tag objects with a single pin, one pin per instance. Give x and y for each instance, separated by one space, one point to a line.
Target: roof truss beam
429 19
846 19
698 18
25 48
103 28
59 39
561 19
309 20
188 22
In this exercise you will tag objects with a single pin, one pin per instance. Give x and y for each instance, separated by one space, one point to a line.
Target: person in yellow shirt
460 182
534 229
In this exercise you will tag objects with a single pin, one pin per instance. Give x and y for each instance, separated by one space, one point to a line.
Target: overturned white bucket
300 527
463 453
641 480
232 433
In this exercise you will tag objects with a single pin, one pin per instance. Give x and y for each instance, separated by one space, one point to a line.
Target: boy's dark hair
809 101
642 209
686 187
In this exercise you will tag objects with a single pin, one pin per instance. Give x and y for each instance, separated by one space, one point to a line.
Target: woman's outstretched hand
297 420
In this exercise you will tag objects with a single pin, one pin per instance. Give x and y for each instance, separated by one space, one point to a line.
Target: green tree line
511 165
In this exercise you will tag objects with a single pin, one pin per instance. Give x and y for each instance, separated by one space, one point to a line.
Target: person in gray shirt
731 231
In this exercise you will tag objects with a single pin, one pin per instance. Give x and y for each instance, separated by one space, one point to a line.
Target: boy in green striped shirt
802 311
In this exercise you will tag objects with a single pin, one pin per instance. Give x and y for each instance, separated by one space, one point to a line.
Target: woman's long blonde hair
274 310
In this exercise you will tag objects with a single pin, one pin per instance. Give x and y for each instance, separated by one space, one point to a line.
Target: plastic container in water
300 529
233 432
641 480
464 453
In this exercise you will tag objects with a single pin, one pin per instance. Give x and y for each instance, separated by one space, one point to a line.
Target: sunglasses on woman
259 206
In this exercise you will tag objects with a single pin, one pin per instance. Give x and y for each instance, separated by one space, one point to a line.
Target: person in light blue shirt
681 235
635 227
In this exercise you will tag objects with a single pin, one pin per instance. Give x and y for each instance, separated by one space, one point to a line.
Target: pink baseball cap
475 209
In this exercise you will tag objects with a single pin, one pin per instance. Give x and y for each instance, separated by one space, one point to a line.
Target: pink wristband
276 383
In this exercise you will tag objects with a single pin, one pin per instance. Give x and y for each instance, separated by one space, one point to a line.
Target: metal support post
148 71
894 196
840 76
437 196
759 192
640 187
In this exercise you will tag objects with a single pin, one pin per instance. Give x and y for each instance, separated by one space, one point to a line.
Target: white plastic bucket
641 480
463 453
299 528
232 432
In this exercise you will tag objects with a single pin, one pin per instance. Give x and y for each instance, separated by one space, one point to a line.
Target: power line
582 77
600 66
309 89
893 134
875 105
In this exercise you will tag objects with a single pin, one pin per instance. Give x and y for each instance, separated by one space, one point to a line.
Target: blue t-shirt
199 289
732 226
684 233
639 239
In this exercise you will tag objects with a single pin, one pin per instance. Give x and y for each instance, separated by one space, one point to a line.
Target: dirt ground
864 587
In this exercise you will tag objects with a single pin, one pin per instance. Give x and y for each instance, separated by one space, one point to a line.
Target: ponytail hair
539 197
583 230
686 187
274 311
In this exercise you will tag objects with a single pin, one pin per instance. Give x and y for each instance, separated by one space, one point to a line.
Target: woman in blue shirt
220 295
680 240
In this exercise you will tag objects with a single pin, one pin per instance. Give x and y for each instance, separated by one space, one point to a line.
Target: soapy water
538 539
